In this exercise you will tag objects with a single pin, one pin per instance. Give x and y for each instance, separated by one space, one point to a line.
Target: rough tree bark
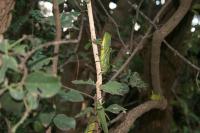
6 7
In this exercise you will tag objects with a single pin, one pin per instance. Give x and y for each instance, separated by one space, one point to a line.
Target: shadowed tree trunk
6 7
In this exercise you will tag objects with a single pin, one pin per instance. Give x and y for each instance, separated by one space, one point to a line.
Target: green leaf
38 127
40 64
72 96
68 19
43 84
136 81
64 122
32 101
20 49
2 73
88 82
16 92
115 88
4 46
10 62
60 1
101 115
115 108
46 118
196 7
85 112
10 105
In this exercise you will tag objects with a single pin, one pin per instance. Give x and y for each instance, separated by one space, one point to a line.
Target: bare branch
58 35
95 52
114 22
85 94
137 112
141 43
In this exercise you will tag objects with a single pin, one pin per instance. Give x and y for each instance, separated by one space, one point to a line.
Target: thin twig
114 22
23 118
181 56
78 66
48 129
197 80
78 43
8 123
2 91
79 35
24 37
30 53
58 35
95 52
143 40
85 94
135 21
141 43
167 44
120 116
140 46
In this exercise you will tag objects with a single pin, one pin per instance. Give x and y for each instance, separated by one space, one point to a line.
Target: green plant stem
23 118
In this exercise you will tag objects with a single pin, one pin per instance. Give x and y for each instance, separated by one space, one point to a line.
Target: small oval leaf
64 122
32 101
72 96
43 84
115 108
16 93
46 118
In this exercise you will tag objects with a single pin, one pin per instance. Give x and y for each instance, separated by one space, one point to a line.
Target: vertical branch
58 35
159 36
95 52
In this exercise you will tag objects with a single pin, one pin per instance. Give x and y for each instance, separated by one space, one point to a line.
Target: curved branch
168 45
159 36
136 112
141 44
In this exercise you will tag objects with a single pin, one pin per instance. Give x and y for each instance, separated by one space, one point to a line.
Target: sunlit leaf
10 62
3 70
16 92
43 84
32 101
4 46
20 49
